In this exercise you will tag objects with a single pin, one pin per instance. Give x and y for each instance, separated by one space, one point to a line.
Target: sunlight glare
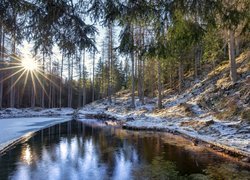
29 64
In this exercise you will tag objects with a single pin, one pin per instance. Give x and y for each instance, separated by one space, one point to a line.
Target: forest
148 46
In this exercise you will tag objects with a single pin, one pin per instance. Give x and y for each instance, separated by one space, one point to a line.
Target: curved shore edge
4 147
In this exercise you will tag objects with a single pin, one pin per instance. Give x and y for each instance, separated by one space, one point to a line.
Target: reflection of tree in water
227 171
158 169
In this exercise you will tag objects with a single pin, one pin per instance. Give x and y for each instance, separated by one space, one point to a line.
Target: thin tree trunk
79 84
93 82
50 84
110 57
180 76
142 82
231 51
159 85
83 80
69 82
133 80
43 81
32 97
2 38
133 72
60 91
196 59
12 87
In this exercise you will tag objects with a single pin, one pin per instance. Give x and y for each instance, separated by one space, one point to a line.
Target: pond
91 150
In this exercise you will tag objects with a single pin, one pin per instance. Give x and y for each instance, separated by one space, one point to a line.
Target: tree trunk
196 59
180 76
61 76
231 51
69 83
110 57
32 97
43 81
237 49
79 84
2 38
50 84
159 85
12 86
83 80
133 80
93 82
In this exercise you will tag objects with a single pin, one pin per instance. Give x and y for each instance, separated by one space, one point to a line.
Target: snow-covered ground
181 113
35 112
14 128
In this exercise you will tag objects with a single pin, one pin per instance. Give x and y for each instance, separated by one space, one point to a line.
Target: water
76 150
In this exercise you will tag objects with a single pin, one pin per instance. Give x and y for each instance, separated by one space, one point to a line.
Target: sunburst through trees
24 69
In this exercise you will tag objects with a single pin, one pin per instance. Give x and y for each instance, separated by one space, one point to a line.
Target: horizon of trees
159 40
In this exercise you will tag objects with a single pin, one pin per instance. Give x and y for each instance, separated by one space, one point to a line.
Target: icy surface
12 129
35 112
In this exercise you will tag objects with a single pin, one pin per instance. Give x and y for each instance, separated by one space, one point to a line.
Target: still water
90 150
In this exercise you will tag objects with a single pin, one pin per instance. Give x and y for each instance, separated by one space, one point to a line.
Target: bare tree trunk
110 60
43 81
61 76
32 97
93 82
2 39
69 83
159 85
133 80
180 76
237 44
142 82
231 51
83 80
12 87
79 84
50 84
196 63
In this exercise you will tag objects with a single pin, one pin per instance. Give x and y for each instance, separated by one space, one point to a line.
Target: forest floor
212 110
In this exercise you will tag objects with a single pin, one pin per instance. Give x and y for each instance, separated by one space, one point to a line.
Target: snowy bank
35 112
181 114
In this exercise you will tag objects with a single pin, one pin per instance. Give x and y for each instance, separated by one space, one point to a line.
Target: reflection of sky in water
122 169
65 161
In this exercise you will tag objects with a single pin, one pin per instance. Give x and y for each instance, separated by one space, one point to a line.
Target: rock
111 123
130 119
195 142
246 159
247 81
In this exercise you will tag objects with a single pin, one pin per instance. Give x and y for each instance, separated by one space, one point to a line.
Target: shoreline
236 154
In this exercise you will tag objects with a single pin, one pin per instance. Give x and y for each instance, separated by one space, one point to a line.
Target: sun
29 64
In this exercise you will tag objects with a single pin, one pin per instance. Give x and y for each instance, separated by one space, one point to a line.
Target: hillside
211 110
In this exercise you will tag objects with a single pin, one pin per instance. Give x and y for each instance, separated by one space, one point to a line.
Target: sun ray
8 77
48 79
41 84
17 81
33 82
25 82
11 56
8 68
